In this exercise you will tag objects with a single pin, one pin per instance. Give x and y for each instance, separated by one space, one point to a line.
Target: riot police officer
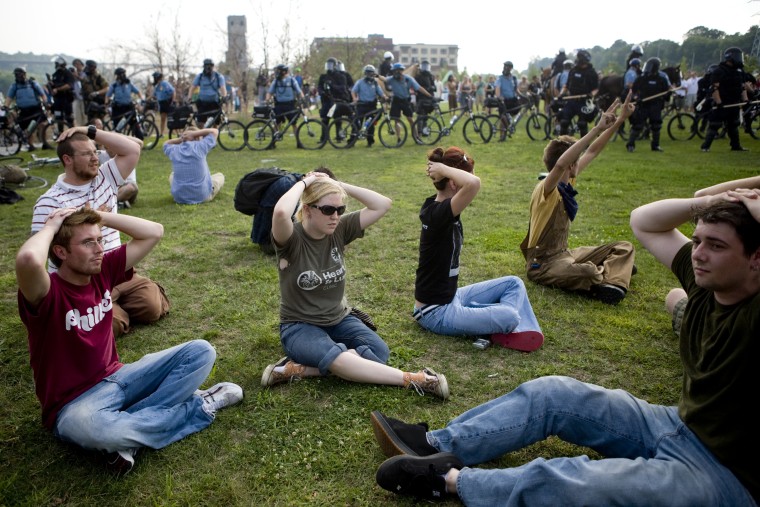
582 83
649 89
728 89
333 90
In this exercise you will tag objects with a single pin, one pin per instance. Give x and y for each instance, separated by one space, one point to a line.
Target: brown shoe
283 370
427 381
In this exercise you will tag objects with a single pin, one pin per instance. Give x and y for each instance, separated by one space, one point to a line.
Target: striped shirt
100 194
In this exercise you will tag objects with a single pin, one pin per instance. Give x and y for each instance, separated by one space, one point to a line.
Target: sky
487 33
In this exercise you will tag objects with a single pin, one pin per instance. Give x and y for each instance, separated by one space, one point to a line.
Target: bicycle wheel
341 133
150 134
428 129
259 135
537 126
392 133
500 131
10 144
311 135
477 130
50 135
682 127
232 136
753 128
33 182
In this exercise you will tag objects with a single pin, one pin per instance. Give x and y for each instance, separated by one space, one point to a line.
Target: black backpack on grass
252 186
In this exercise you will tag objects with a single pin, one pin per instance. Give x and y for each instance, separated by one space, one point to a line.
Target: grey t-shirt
313 274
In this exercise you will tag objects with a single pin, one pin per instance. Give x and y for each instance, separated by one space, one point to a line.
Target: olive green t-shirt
313 274
720 349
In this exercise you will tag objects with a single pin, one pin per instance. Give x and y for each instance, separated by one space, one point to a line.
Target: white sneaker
223 394
122 461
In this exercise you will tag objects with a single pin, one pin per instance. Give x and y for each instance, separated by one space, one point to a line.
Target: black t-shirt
440 245
582 80
730 81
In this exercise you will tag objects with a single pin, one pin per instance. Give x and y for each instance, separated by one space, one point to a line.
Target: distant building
440 56
237 47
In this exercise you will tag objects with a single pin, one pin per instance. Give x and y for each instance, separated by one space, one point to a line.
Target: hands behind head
57 216
436 171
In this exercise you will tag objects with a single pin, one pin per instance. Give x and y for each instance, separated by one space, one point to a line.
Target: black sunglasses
329 210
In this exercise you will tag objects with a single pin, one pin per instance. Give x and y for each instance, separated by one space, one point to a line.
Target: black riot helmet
157 77
20 74
425 66
507 68
735 56
582 56
652 66
331 64
635 62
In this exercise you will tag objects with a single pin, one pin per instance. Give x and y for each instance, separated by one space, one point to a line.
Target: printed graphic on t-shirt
93 316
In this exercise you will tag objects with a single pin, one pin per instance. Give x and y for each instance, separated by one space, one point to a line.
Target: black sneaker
418 476
657 148
608 293
397 437
740 148
630 148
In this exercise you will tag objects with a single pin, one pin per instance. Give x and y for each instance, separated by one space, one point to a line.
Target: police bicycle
686 126
344 131
15 177
263 133
13 137
430 128
231 132
125 125
536 125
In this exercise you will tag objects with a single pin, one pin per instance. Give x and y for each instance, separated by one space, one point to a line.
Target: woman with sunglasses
499 309
317 330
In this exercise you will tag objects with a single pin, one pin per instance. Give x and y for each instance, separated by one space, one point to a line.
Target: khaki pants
139 300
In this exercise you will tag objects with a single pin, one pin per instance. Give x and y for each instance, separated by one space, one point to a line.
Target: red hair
453 157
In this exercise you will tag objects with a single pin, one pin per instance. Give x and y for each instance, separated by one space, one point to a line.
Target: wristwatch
91 131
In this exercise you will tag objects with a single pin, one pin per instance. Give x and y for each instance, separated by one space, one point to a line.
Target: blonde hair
317 190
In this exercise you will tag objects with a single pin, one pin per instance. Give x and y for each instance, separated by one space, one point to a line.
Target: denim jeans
148 403
319 346
494 306
650 456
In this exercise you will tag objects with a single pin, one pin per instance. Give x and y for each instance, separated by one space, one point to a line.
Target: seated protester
318 331
261 233
498 309
88 397
191 180
86 182
604 271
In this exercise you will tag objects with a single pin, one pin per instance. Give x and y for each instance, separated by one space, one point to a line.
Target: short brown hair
736 215
83 216
555 149
65 147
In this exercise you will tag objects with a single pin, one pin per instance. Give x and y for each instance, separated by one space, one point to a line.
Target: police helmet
712 68
120 71
568 63
208 61
583 56
341 67
635 62
60 62
425 66
508 64
636 50
388 55
157 75
282 69
652 66
735 56
397 66
369 70
19 71
562 51
91 64
331 64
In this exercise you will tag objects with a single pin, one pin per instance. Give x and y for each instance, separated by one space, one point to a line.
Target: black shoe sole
413 475
390 443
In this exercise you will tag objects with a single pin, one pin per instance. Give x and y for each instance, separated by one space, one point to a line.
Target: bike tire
428 130
259 135
10 144
150 134
500 131
34 182
753 128
50 134
537 127
477 130
232 136
682 127
311 135
341 133
392 133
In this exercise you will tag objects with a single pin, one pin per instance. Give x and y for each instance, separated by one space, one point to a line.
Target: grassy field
310 443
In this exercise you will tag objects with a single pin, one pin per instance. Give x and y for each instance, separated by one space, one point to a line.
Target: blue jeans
147 403
651 456
318 346
494 306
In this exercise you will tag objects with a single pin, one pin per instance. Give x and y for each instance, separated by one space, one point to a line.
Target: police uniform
367 92
729 81
582 80
648 111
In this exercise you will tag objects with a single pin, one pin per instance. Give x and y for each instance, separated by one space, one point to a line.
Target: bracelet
91 131
305 186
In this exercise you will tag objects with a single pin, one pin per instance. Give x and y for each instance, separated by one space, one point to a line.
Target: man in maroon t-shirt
88 397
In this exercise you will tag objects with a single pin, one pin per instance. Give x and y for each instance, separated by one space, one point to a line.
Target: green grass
310 443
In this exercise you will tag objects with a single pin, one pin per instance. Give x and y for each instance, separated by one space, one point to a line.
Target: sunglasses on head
329 210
